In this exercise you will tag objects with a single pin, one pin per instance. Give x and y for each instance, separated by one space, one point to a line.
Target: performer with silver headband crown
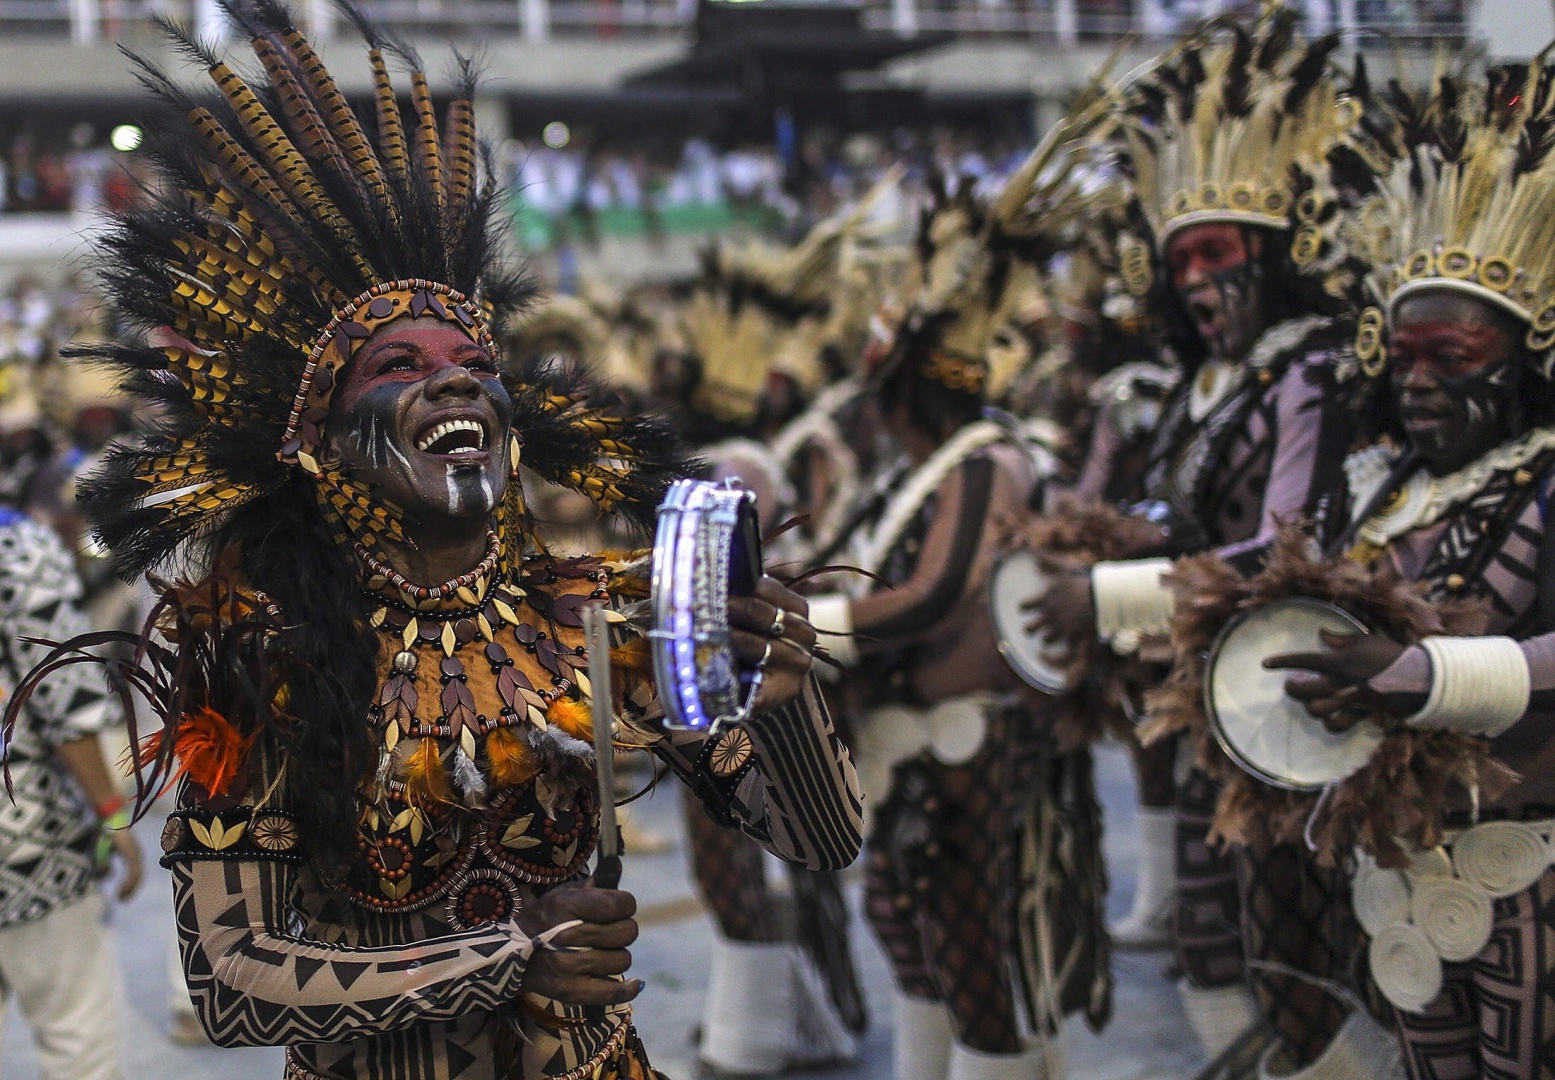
1224 143
375 690
1452 815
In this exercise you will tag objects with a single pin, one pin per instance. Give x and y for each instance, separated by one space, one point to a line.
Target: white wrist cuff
1479 685
1131 600
832 617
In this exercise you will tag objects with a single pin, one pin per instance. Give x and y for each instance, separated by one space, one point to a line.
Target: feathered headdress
973 252
1231 126
1466 206
289 229
762 309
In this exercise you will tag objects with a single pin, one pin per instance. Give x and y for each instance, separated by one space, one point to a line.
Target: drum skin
1264 730
1037 659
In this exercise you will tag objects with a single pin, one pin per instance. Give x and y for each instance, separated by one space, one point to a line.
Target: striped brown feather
391 126
459 151
286 162
236 162
299 113
340 118
427 148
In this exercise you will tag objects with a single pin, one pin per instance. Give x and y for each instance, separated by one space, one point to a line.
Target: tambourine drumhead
707 548
1037 659
1264 730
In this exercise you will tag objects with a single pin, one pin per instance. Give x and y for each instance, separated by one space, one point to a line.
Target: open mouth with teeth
452 438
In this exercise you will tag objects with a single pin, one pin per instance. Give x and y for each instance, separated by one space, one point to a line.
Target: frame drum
1036 658
1265 731
707 548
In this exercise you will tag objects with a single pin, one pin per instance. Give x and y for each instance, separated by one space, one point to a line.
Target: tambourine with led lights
707 548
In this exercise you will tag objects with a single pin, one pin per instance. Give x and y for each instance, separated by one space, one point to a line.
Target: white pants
64 974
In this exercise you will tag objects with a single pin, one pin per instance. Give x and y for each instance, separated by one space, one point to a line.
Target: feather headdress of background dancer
1463 204
1247 124
287 229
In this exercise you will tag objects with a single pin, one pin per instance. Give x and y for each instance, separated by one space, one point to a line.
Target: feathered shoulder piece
288 229
1233 124
1465 205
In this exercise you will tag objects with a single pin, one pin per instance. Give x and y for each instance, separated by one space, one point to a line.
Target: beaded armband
238 832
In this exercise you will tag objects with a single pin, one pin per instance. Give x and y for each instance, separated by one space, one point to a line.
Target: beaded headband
347 332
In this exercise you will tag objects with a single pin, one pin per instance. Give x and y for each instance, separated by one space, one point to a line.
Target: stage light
126 137
556 135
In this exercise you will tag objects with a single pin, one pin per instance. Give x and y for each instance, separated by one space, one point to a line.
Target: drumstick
596 631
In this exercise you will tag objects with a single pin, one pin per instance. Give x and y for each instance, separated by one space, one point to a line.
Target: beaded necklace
486 609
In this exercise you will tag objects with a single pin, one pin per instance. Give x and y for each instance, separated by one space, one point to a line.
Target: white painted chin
469 483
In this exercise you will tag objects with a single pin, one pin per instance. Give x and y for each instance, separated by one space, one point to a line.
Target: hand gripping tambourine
1264 730
707 549
1037 658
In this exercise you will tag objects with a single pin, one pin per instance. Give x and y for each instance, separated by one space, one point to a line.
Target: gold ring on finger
776 629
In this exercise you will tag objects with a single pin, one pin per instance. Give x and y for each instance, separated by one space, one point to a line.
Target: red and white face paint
423 419
1213 269
1454 377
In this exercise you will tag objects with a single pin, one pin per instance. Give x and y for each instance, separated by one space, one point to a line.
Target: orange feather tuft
424 775
509 761
210 750
573 717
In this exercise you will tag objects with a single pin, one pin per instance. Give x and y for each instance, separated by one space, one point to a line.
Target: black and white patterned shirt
47 834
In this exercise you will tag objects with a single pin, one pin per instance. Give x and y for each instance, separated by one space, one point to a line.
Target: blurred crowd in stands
792 182
72 170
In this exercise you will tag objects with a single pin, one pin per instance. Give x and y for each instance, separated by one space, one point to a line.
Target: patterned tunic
47 829
1263 453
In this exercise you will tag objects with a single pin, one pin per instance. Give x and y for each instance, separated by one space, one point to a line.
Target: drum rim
1212 715
701 497
1014 660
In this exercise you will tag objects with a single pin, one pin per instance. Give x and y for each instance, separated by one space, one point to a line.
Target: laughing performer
374 690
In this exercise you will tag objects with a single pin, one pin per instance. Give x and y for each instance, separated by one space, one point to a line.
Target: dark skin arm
788 665
83 760
1066 610
1336 689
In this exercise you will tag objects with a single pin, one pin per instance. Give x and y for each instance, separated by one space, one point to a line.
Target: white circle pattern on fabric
1501 857
1406 967
1454 915
1428 863
1381 898
1449 911
957 729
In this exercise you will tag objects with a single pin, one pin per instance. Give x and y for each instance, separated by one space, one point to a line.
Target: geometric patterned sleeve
957 548
255 984
255 981
40 598
784 778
